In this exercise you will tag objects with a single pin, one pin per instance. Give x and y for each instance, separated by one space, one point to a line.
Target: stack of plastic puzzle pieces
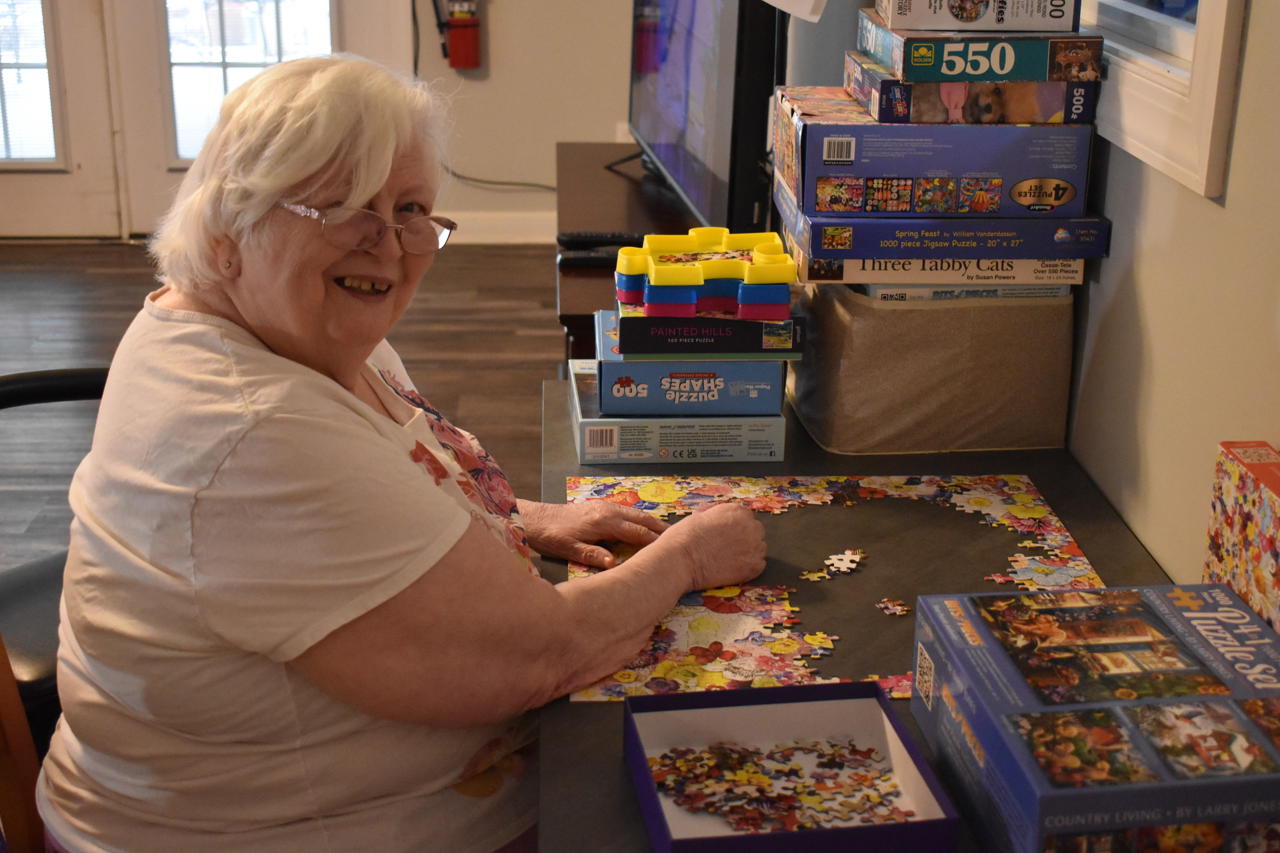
708 269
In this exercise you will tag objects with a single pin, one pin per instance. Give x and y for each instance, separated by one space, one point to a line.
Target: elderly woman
300 611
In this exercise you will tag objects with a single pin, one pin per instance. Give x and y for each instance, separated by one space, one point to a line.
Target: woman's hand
724 543
571 531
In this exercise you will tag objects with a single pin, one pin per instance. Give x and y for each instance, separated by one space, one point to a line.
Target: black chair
29 592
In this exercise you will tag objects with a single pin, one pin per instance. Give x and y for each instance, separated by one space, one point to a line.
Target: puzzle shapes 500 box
1103 719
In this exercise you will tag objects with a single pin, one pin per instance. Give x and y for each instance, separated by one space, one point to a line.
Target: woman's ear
227 255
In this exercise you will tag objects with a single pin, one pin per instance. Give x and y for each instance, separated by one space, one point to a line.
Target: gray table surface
912 548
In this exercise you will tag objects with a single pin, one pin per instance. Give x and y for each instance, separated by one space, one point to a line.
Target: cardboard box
929 237
840 162
951 272
1142 718
758 721
682 388
939 57
1244 526
888 99
600 439
1046 15
923 377
707 336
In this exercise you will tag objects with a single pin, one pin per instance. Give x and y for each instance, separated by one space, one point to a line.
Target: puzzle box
682 388
1040 15
1244 526
1102 719
840 162
939 57
935 237
601 439
935 293
707 336
934 271
758 720
890 100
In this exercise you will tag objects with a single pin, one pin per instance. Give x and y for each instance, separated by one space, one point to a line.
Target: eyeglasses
354 228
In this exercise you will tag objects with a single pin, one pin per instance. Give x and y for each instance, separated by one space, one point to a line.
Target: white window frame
1171 113
61 161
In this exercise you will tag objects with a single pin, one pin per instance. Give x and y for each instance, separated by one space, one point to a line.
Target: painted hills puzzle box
1121 719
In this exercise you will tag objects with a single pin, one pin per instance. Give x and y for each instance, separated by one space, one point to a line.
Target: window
1169 96
215 45
26 103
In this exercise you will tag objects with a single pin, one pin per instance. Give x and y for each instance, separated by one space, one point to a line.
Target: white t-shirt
234 509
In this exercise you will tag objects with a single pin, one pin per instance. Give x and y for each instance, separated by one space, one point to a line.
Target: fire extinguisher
459 33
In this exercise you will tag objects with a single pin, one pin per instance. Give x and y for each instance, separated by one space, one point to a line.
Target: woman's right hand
724 543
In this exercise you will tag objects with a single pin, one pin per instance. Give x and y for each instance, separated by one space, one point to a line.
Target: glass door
103 106
57 175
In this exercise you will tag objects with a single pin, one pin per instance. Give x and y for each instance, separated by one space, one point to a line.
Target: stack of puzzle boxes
691 365
945 187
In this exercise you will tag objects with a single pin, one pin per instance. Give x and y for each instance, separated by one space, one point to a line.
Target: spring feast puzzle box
839 161
1103 719
826 237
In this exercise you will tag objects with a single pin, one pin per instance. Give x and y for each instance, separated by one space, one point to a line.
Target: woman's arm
571 531
477 639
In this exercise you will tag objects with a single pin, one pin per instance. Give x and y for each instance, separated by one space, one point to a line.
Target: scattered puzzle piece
894 686
999 578
894 606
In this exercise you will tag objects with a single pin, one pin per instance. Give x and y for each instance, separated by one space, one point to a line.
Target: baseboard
505 227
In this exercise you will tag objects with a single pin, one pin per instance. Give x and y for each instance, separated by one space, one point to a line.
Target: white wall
551 71
1181 345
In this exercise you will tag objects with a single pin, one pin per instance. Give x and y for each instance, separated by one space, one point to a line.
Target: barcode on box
838 149
600 439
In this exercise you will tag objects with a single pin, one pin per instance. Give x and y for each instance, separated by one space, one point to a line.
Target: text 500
631 389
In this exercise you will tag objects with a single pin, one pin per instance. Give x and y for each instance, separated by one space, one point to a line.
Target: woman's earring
226 265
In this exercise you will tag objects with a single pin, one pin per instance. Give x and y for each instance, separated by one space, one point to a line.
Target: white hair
298 126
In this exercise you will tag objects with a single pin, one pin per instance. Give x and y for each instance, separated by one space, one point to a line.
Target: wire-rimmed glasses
359 229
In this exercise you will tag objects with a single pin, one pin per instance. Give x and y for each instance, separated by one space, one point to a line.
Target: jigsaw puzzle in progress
747 635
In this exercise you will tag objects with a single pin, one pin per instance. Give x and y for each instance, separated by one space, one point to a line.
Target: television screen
701 75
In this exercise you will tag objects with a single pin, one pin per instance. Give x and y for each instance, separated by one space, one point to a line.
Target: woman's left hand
570 531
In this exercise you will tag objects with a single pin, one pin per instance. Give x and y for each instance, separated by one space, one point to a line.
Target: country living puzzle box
838 161
1136 718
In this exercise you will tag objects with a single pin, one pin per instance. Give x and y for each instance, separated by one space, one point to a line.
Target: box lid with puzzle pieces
940 57
817 768
1103 719
1039 15
840 162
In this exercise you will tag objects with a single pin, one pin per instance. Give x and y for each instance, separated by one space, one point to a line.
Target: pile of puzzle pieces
707 270
798 785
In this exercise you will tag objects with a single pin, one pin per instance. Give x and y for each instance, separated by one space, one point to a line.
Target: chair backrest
23 831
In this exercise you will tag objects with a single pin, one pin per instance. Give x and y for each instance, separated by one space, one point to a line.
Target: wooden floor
479 340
